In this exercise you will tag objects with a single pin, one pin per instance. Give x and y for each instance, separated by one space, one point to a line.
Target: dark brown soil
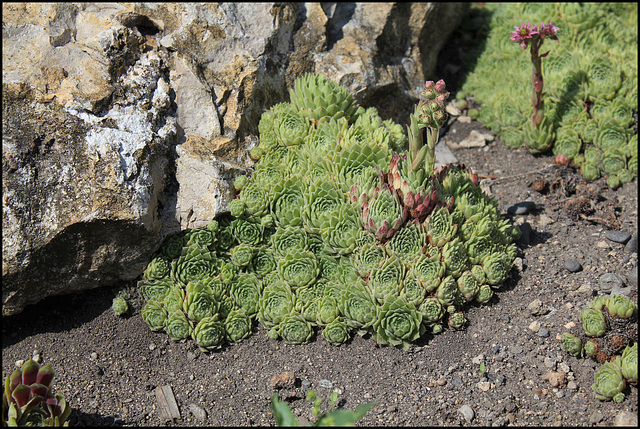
109 367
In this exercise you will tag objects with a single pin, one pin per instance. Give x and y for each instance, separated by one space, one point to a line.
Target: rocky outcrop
125 122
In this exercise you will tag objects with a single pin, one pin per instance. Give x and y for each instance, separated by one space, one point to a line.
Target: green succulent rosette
158 269
328 309
412 290
320 202
242 255
439 227
199 301
172 248
289 238
567 143
468 285
407 243
154 315
484 295
571 344
202 236
590 171
479 248
621 306
385 281
599 302
155 289
119 306
358 307
591 347
611 135
448 292
337 332
298 268
210 334
277 301
593 322
321 99
432 311
429 270
247 231
540 140
629 363
238 325
245 291
195 263
178 326
609 383
383 214
497 267
174 300
264 261
350 163
398 323
294 329
457 321
255 198
368 257
456 259
288 201
341 229
269 172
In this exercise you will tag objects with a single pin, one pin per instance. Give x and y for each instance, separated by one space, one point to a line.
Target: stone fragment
286 380
617 236
572 265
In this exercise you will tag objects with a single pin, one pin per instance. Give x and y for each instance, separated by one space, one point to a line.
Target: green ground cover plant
344 227
583 110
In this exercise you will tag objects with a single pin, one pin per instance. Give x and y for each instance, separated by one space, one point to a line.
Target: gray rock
572 265
525 237
617 236
632 277
609 281
632 244
626 418
198 412
522 208
467 413
543 332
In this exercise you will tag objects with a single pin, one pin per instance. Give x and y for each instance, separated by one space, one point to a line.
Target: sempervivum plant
345 226
609 383
398 323
28 398
384 214
629 364
321 99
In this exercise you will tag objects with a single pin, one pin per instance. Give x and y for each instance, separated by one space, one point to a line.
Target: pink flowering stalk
528 35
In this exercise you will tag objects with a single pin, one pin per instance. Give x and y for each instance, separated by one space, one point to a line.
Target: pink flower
523 33
548 30
440 85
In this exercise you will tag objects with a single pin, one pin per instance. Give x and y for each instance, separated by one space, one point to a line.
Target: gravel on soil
108 368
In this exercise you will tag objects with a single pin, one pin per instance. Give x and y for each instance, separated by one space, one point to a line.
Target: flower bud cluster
431 111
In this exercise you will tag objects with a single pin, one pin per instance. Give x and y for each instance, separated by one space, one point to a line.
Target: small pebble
525 236
19 363
285 380
609 281
94 356
617 236
632 244
534 326
198 412
536 308
326 384
457 381
520 208
626 418
572 265
632 277
306 383
467 413
543 332
596 417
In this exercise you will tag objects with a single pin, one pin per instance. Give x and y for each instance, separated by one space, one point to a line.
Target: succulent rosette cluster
609 336
345 226
587 97
28 398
